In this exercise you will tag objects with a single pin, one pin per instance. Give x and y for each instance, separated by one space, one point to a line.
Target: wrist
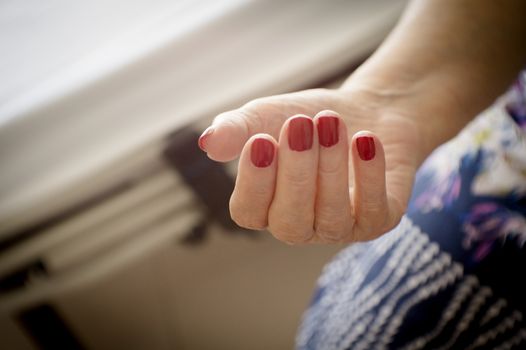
431 103
439 70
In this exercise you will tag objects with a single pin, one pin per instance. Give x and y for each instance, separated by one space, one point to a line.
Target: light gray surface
44 41
65 130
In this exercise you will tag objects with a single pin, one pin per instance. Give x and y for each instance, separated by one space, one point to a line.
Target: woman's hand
424 83
310 172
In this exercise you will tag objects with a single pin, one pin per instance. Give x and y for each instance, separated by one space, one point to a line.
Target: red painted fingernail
204 137
366 149
262 153
300 133
328 131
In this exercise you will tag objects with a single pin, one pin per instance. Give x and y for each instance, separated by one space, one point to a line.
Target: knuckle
255 104
331 169
330 215
289 231
298 178
330 235
259 192
373 207
245 218
254 225
331 228
248 118
224 117
248 222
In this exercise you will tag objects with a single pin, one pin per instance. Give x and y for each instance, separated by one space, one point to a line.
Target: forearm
447 60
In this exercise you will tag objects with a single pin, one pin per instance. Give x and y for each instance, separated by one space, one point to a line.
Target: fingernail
328 131
262 153
300 134
204 137
365 146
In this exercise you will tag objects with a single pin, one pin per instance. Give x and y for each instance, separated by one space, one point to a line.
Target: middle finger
291 214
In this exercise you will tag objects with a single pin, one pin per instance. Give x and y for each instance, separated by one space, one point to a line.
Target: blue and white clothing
449 276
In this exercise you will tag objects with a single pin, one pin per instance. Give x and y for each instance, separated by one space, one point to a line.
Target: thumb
226 137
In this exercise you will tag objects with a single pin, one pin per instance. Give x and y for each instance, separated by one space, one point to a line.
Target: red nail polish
203 137
300 134
262 153
365 146
328 131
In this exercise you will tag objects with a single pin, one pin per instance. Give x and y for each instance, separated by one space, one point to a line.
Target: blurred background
114 226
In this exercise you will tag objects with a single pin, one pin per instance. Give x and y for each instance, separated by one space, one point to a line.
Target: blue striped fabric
449 276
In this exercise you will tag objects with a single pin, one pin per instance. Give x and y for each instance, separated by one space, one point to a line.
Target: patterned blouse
449 276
